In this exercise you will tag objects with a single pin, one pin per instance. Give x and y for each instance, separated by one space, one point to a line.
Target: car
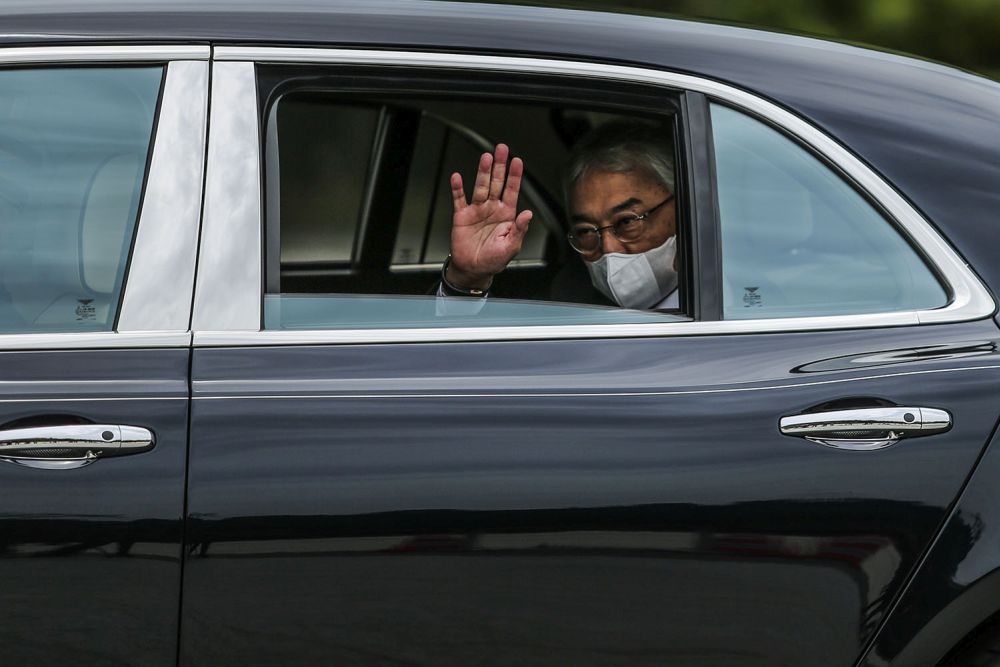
238 426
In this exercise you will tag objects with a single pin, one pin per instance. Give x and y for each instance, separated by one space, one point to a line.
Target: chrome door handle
866 428
71 446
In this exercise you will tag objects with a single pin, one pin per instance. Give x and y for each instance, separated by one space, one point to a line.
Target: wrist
462 283
465 280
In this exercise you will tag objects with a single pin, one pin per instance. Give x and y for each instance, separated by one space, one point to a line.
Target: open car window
359 205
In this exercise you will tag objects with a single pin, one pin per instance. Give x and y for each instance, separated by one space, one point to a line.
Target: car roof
932 130
456 26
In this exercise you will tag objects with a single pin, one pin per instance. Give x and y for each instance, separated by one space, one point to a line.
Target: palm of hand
487 232
485 236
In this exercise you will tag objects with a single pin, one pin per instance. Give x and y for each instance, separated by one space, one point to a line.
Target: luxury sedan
242 421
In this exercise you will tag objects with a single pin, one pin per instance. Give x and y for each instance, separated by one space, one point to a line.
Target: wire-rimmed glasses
586 237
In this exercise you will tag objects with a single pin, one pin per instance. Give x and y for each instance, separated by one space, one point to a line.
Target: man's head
623 215
619 172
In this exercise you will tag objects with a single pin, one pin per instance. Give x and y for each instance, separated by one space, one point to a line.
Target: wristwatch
453 290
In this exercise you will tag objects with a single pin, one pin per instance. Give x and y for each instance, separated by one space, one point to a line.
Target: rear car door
100 187
750 481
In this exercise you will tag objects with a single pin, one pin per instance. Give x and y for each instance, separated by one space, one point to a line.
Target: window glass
304 311
364 212
73 151
797 240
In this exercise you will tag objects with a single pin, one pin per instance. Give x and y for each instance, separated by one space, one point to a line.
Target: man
622 212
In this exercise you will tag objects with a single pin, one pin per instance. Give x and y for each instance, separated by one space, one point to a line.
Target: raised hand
487 232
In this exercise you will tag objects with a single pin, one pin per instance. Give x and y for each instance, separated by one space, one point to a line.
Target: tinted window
73 151
797 240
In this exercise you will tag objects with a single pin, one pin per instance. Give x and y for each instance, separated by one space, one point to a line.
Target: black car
238 426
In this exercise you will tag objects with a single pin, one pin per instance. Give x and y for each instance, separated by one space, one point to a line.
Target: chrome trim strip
96 340
228 293
102 53
160 281
970 299
637 394
549 332
91 399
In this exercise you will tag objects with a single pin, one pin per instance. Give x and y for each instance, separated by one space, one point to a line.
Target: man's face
602 197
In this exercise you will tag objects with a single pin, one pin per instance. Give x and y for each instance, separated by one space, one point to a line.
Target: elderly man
622 212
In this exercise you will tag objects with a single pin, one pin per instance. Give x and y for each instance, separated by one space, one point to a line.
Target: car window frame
152 312
217 321
380 89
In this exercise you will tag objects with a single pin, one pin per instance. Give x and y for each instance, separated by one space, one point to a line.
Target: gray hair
621 146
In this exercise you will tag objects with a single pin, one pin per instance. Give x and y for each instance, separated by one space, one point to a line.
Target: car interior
69 208
357 170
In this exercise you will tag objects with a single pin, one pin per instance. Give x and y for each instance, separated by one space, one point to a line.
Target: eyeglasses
586 238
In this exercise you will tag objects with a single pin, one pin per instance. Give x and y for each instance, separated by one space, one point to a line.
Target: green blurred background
963 33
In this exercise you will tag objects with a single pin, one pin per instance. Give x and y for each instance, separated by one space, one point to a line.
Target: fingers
513 188
491 176
499 170
457 192
522 220
482 189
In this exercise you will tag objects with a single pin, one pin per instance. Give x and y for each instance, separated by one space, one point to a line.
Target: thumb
522 220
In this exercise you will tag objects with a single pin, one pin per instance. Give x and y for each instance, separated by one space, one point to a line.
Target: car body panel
957 585
435 502
91 558
91 555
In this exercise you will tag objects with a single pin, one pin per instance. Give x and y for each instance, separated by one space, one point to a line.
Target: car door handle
864 429
71 446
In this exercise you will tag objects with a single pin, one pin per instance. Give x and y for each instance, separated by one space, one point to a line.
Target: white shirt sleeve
461 306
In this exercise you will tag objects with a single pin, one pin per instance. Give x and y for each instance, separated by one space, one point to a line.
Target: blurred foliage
963 33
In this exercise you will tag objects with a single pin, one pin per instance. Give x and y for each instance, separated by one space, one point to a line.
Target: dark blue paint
957 586
90 558
439 503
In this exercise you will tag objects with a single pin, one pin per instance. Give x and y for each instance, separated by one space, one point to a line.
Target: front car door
377 480
100 185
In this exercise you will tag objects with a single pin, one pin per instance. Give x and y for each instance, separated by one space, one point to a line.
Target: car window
798 240
74 144
359 210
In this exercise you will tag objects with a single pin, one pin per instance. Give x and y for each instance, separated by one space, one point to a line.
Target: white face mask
638 281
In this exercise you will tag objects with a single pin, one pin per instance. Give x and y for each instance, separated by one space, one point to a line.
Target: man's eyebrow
625 205
618 208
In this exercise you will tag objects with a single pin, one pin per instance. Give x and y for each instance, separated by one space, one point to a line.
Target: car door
100 186
747 482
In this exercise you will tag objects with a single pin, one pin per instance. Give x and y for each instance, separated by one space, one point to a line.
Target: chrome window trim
549 332
970 298
103 53
96 340
167 239
229 289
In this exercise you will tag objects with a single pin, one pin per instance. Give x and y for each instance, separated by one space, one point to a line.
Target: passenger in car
622 215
